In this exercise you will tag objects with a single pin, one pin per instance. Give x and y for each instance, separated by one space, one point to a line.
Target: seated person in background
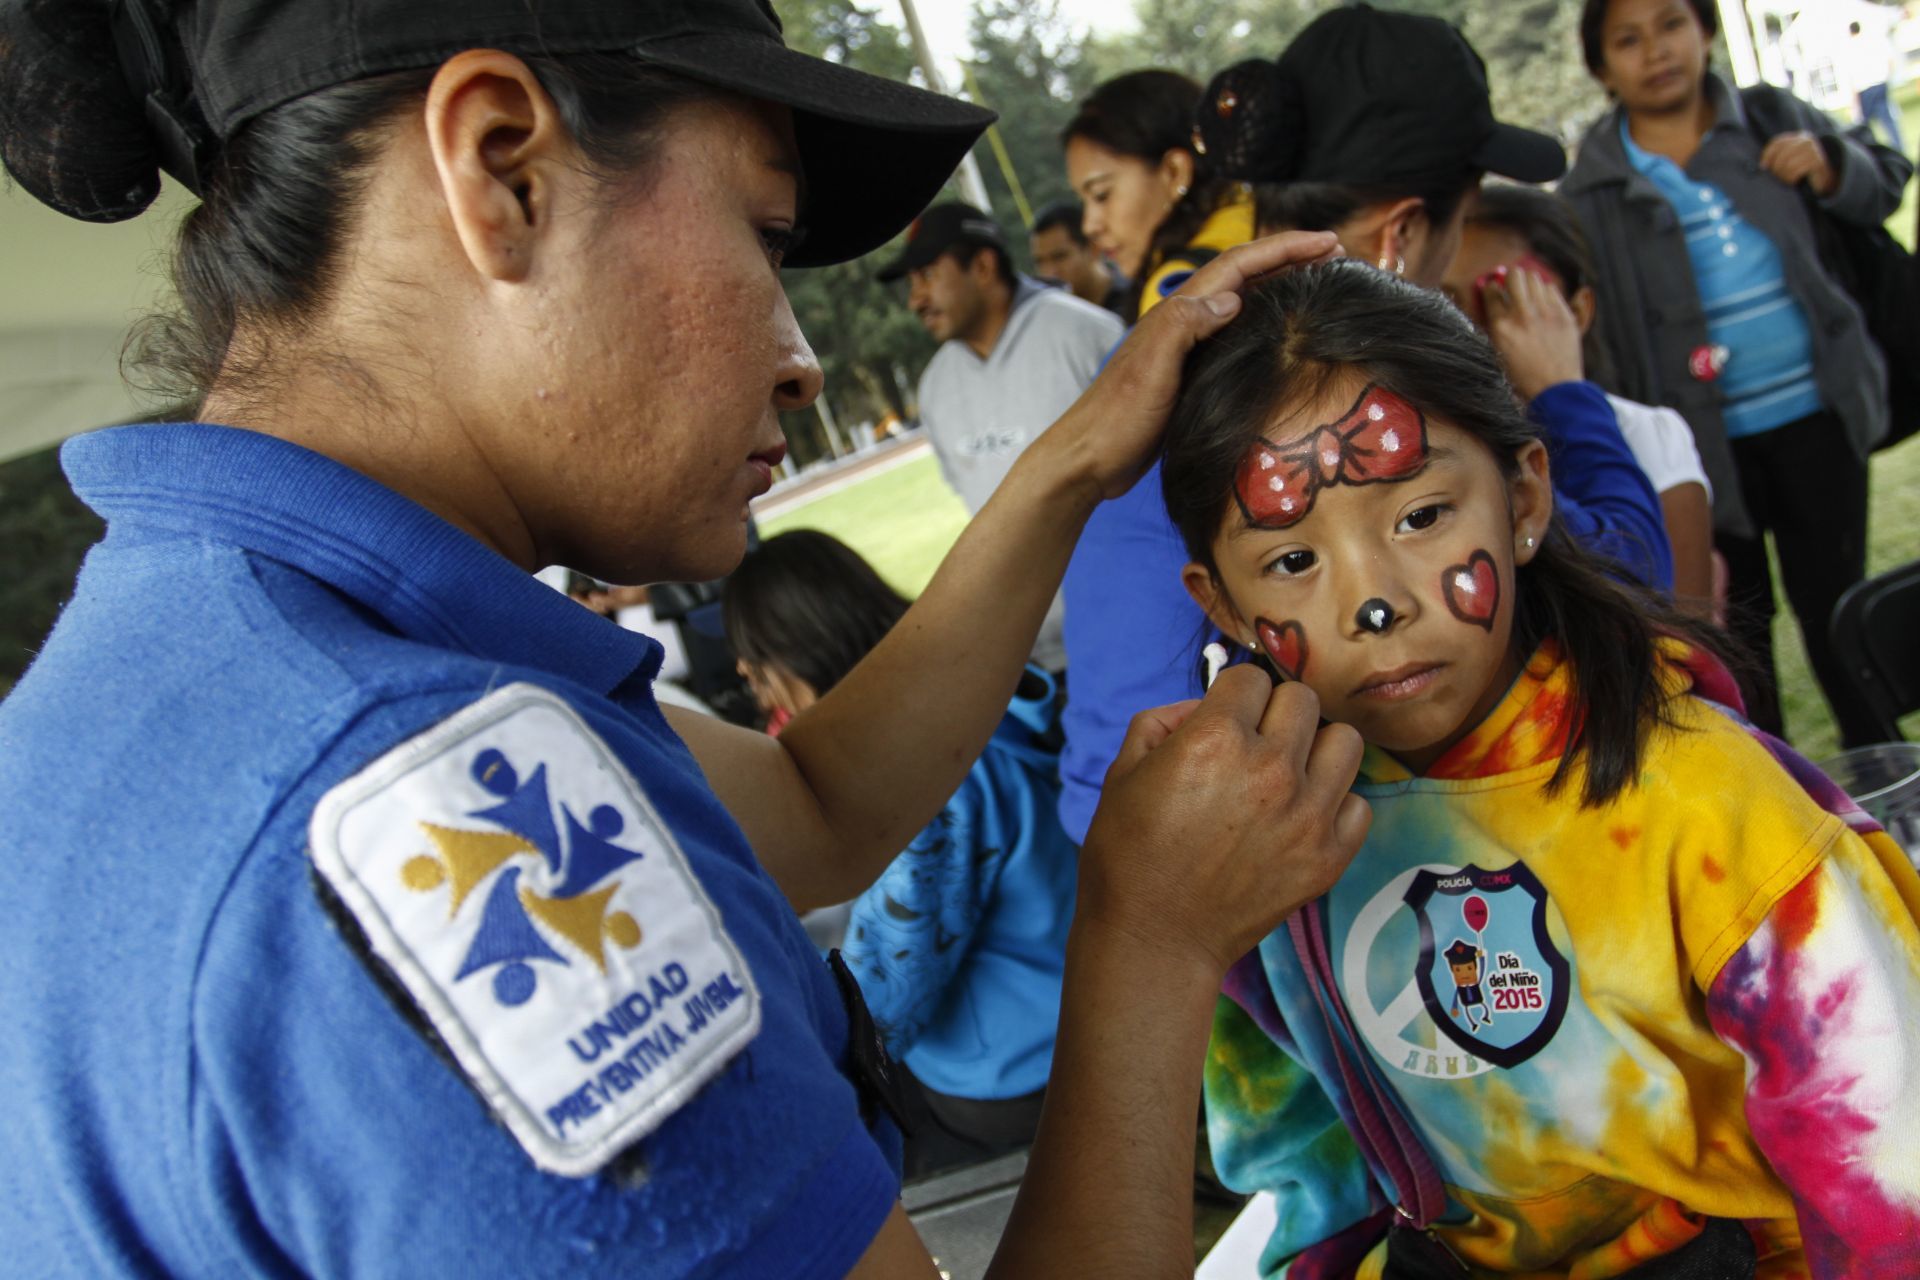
960 945
1509 226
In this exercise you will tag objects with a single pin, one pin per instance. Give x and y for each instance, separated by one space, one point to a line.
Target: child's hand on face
1220 818
1532 328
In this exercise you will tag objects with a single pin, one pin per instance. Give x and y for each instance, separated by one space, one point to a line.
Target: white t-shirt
1662 444
980 414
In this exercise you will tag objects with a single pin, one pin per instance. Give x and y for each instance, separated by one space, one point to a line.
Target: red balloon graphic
1474 911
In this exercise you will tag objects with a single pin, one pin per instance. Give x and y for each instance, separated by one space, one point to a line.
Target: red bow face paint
1472 590
1381 439
1286 644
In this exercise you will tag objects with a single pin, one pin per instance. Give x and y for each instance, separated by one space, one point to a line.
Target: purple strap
1390 1142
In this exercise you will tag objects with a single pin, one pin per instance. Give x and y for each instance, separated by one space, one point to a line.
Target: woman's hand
1219 818
1799 157
1111 431
1534 330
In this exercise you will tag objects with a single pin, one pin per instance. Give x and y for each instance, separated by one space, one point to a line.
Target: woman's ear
1215 603
1583 302
1403 233
1530 498
1176 170
499 147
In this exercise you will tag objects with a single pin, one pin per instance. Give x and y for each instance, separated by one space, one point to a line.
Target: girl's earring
1180 192
1529 542
1399 266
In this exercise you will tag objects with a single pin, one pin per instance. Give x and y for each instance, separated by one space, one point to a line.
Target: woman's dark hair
1144 115
805 602
1593 19
1300 332
263 248
1264 140
1552 233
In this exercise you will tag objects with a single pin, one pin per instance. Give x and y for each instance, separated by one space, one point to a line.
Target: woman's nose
798 380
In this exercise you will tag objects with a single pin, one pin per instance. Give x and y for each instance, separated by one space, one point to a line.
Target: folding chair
1876 631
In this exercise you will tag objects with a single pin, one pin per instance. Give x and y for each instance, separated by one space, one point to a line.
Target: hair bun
1251 123
72 132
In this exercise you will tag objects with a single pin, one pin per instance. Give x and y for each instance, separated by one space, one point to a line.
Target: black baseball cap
873 151
943 227
1367 97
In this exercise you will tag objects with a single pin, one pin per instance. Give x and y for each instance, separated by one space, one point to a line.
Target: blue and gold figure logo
518 921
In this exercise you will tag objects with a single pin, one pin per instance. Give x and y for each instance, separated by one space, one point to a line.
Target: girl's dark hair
1145 114
805 602
263 248
1305 329
1552 233
1593 18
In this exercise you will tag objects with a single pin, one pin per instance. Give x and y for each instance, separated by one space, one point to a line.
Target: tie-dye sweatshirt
1606 1025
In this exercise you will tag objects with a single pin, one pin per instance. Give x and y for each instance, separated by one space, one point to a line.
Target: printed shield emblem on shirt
515 876
1490 976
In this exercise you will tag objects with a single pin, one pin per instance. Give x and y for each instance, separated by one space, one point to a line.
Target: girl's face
775 688
1653 54
1483 248
1369 551
1125 199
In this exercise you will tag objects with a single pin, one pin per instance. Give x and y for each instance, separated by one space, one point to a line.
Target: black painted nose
1376 615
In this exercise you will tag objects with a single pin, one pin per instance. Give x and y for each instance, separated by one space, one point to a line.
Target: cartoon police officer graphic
1464 960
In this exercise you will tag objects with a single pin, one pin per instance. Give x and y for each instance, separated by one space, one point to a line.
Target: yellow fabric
1225 227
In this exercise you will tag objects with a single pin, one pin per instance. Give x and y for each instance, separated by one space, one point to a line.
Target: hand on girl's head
1534 330
1119 419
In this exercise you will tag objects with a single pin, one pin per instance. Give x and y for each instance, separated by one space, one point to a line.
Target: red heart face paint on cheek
1472 590
1286 644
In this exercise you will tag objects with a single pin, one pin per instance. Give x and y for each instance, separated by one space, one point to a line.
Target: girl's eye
1292 563
778 240
1420 518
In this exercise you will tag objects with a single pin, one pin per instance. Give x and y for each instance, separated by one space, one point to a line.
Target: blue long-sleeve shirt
960 946
1133 634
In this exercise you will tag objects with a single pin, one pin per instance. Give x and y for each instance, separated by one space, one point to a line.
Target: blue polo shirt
1768 377
207 1073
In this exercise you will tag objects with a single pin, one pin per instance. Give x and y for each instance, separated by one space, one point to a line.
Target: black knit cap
1368 98
191 73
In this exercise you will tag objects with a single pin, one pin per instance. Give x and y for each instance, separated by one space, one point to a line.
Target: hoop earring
1399 267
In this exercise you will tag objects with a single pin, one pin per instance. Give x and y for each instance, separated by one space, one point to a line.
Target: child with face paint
1618 985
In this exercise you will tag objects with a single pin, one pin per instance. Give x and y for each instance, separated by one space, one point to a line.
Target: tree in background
1029 65
44 533
860 329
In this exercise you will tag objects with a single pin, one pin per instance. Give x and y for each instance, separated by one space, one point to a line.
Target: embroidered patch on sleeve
514 875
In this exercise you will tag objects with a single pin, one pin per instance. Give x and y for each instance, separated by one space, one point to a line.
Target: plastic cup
1884 779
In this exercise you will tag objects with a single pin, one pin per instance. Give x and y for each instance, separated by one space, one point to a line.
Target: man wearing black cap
1014 354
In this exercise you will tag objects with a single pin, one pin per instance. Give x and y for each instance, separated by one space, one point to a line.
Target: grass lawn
904 520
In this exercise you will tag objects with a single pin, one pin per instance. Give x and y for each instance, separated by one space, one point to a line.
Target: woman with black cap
365 913
1376 126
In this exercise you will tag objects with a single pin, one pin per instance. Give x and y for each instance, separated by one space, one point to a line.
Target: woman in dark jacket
1696 199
